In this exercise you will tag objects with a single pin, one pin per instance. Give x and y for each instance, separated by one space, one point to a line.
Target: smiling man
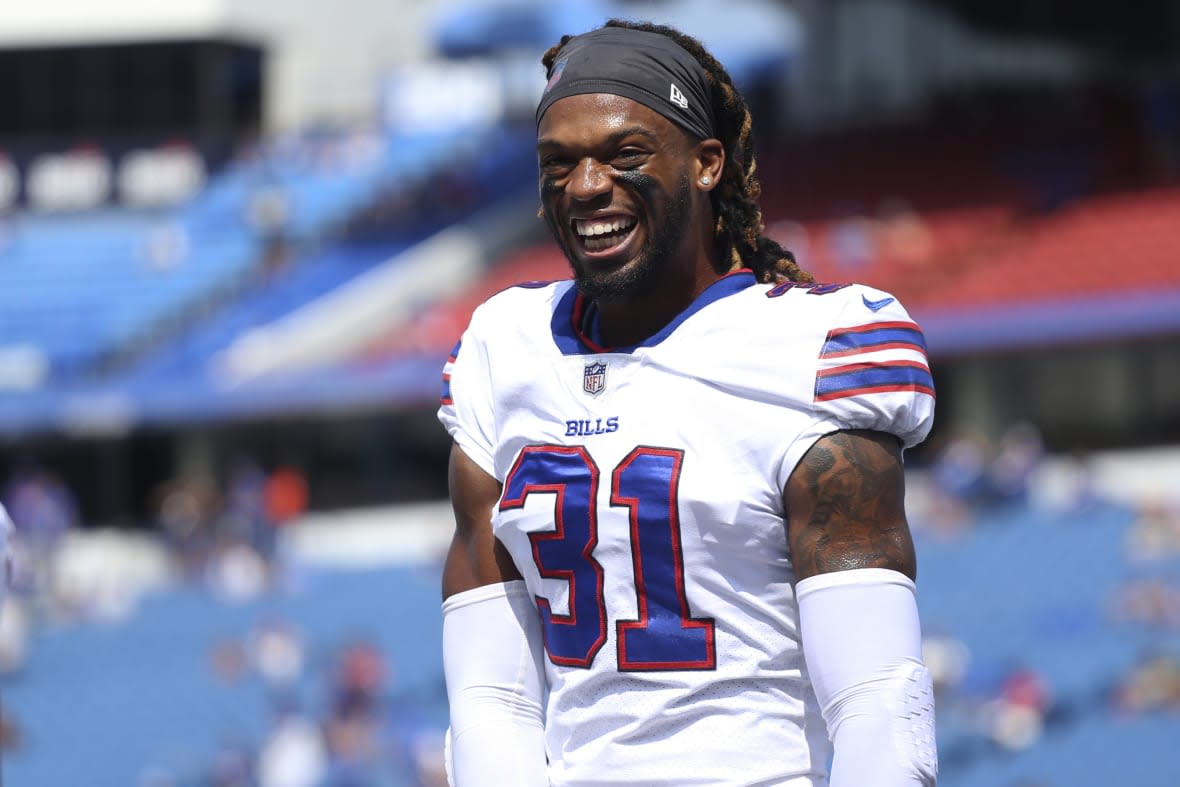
681 554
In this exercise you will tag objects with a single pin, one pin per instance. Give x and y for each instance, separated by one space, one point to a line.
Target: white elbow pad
863 645
492 656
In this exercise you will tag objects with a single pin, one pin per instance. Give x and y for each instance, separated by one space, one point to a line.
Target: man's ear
710 161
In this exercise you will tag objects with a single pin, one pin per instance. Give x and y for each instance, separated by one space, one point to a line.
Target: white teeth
588 229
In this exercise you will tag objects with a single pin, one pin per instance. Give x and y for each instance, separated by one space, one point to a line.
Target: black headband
646 67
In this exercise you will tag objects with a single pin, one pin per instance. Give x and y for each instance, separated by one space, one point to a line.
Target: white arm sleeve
492 657
862 642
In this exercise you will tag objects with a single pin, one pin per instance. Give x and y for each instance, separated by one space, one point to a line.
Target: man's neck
629 322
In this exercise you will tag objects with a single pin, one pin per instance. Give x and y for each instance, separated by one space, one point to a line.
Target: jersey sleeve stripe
454 356
445 397
884 345
874 389
874 326
858 378
874 336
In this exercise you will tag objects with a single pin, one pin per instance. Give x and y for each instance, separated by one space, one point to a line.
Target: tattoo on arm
845 506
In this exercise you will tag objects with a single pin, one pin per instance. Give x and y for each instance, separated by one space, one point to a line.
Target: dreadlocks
739 227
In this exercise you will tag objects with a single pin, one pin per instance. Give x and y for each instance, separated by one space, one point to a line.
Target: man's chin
617 284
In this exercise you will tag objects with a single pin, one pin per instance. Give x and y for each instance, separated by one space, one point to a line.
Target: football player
681 554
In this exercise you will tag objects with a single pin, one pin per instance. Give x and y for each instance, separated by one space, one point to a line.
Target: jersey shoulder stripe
445 397
871 337
873 377
881 356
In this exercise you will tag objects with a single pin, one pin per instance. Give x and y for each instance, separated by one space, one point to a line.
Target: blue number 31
665 636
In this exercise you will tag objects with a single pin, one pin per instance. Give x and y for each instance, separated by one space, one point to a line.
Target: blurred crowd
975 484
973 473
227 535
336 720
223 534
358 735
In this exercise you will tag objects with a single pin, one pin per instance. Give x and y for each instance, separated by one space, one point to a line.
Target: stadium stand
99 285
154 298
78 287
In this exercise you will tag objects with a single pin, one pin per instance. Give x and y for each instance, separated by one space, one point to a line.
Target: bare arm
845 505
475 558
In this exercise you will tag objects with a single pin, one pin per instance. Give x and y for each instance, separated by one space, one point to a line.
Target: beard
657 254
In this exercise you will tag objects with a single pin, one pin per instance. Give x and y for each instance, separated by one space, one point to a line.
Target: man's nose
590 179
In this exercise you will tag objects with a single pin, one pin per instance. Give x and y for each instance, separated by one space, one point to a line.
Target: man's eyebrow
613 139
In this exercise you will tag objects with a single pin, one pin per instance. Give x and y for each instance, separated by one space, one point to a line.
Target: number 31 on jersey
664 636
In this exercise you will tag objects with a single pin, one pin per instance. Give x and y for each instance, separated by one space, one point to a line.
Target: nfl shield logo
594 378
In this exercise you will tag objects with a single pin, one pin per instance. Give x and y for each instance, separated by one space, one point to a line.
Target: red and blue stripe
873 377
445 397
878 376
875 336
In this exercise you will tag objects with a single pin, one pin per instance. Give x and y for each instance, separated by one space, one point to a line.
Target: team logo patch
555 77
594 378
677 98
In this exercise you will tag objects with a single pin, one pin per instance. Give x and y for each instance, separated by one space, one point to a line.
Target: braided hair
738 229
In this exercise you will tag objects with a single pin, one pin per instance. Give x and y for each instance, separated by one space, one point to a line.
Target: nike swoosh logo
876 306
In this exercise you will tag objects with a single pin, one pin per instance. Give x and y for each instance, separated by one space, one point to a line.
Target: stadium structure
238 239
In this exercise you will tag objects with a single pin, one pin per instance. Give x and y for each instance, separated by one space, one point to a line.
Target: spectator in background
1155 534
268 214
961 467
6 533
277 653
971 474
1017 459
947 659
1152 602
359 679
293 754
286 497
1080 492
959 476
185 513
43 510
355 726
1017 716
246 518
1152 684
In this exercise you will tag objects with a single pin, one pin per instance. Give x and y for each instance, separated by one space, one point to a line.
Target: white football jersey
642 504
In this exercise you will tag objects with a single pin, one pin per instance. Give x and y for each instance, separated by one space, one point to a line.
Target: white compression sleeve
492 657
863 646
